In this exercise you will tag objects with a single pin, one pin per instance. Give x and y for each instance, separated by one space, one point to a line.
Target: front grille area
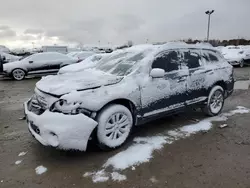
41 100
35 128
35 107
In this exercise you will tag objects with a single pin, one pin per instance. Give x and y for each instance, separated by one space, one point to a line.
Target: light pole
208 27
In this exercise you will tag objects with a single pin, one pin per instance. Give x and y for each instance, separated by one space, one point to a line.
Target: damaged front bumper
233 63
60 130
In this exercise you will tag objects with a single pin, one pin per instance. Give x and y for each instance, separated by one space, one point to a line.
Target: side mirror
31 61
157 73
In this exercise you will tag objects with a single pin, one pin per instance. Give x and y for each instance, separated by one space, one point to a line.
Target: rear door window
210 56
168 61
191 59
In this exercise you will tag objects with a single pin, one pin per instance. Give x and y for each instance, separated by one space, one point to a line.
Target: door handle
182 78
210 72
207 71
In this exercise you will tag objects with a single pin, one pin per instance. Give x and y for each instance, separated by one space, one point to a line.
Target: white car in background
9 57
40 63
90 62
236 55
81 55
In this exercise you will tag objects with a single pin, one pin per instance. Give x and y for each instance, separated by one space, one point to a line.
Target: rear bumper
228 93
60 130
230 88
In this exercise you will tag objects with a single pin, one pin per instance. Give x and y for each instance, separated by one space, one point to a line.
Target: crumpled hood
76 81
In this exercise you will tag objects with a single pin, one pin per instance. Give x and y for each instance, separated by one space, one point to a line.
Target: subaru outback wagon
126 89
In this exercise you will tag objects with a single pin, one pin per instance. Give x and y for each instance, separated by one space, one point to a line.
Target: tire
215 101
114 126
242 63
18 74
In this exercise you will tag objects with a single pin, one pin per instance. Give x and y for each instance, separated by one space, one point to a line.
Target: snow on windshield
89 62
120 64
83 55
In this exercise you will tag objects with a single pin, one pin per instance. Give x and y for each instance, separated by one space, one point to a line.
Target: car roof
183 45
47 53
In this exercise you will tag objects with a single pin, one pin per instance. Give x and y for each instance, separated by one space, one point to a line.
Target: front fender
96 99
9 68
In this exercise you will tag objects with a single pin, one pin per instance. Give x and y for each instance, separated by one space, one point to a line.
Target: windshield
27 57
120 64
234 48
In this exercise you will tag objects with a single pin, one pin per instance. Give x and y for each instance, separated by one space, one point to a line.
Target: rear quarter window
211 56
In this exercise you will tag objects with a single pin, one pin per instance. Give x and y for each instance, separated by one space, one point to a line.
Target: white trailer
60 49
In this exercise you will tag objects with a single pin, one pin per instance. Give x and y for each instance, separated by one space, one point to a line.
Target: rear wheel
114 126
215 101
18 74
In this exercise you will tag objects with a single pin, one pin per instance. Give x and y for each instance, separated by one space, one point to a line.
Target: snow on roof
4 49
9 57
50 53
175 45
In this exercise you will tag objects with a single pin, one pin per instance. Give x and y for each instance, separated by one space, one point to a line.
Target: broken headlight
62 106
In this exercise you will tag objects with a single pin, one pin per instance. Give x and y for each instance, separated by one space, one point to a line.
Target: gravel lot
217 158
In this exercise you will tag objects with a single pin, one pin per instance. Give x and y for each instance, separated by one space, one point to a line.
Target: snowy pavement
186 150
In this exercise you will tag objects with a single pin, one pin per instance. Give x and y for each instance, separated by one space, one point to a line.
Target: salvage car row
41 63
51 62
237 55
124 89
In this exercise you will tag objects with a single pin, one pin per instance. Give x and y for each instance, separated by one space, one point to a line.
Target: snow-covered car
9 57
135 86
89 62
81 55
236 55
40 63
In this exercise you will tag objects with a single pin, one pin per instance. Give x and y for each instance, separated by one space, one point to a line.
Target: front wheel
114 126
18 74
215 101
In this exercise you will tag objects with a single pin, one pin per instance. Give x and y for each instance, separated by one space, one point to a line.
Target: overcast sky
23 22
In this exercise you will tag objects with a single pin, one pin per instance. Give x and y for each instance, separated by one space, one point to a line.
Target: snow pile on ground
141 151
138 153
118 177
103 176
22 154
100 176
40 170
153 179
18 162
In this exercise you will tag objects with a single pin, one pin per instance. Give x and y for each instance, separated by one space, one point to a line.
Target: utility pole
209 18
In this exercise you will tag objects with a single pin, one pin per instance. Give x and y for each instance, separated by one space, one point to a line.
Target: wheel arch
26 72
222 84
125 102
